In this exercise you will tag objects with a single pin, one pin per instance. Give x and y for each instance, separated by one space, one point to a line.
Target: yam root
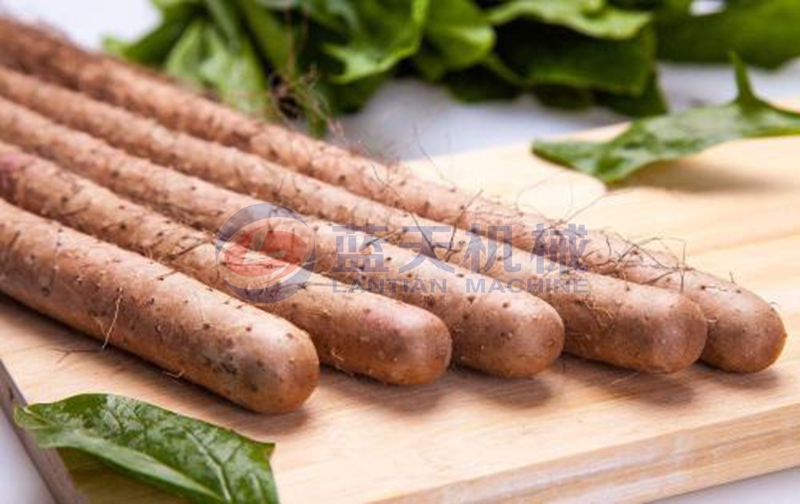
254 359
497 332
745 333
359 333
604 318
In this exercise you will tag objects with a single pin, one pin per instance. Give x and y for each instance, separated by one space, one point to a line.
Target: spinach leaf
531 54
479 83
223 14
187 56
564 97
763 32
589 17
457 35
668 137
274 42
153 47
177 9
190 458
650 103
236 74
379 36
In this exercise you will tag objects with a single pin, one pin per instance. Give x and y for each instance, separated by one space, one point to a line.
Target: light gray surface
406 120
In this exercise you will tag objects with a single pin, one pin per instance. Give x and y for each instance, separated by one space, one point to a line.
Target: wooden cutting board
578 432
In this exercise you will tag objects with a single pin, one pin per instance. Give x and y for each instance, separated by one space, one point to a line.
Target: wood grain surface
579 432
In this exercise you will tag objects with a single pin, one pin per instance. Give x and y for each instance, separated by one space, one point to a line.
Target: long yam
356 332
498 332
745 333
252 358
605 319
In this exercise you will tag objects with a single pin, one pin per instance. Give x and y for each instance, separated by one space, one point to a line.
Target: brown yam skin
653 341
250 357
734 315
500 333
606 320
360 333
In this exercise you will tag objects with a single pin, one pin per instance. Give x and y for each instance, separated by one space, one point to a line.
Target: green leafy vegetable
226 20
275 42
650 103
480 83
237 75
380 35
151 49
457 35
588 17
318 58
187 457
564 97
186 58
545 54
762 32
668 137
177 9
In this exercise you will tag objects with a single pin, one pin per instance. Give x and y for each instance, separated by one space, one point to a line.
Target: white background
408 119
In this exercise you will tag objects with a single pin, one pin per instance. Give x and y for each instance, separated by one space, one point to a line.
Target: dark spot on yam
471 299
249 328
206 326
506 304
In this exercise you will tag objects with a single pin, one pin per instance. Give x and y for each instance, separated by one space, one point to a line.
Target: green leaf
153 47
650 103
223 13
534 54
674 136
187 457
381 34
479 83
236 75
589 17
564 97
346 98
187 56
763 32
177 9
457 35
273 41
